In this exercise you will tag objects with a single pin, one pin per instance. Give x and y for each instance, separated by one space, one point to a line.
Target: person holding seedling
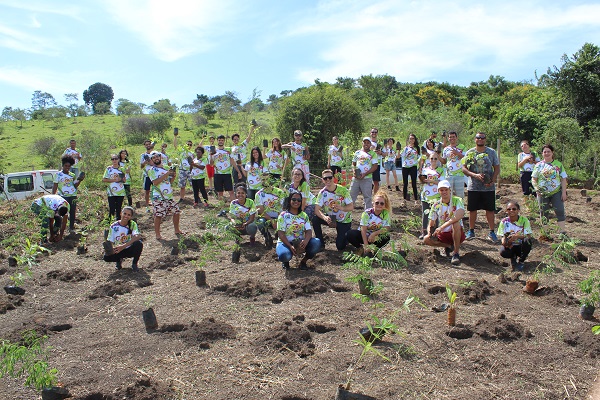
365 162
430 177
224 163
515 231
115 177
253 170
300 154
374 225
198 173
125 167
186 157
125 239
445 223
269 203
333 208
526 161
334 156
410 159
277 159
549 179
51 210
65 185
242 213
239 152
162 193
71 151
145 161
295 233
299 184
209 150
451 157
389 163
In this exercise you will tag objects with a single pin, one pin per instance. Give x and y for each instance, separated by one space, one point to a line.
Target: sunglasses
479 137
512 209
326 178
379 203
115 158
435 159
296 199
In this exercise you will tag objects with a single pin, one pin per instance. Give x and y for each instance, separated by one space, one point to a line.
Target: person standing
389 164
239 152
209 150
76 154
445 223
253 170
376 147
482 166
334 209
452 157
224 163
162 194
145 161
334 156
300 154
364 161
66 185
51 210
526 160
410 158
198 174
549 179
126 240
515 232
115 177
277 159
186 157
125 167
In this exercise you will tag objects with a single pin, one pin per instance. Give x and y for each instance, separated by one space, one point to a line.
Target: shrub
50 151
137 129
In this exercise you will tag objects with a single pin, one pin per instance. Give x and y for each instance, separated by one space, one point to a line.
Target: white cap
366 138
444 184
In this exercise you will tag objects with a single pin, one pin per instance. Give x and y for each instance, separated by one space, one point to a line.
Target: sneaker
470 234
448 251
513 263
134 267
455 259
303 266
285 265
520 266
421 236
118 266
389 188
195 205
205 205
397 189
492 236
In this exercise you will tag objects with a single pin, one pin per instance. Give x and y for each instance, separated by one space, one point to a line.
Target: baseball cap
366 138
444 184
155 153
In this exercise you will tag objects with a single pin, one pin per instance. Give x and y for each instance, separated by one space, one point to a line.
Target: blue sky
147 50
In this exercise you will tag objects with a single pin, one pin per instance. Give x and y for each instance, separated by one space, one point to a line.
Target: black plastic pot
343 394
149 319
365 286
55 393
174 250
372 337
108 248
587 312
200 278
235 256
82 250
14 290
12 261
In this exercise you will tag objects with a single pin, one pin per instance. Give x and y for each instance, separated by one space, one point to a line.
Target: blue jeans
285 255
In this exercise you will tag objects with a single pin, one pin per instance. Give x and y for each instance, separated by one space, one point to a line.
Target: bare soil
259 332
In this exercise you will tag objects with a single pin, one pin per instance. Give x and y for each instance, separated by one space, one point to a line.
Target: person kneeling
125 239
515 231
447 213
374 225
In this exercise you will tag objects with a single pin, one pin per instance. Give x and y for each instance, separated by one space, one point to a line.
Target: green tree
579 80
42 100
102 108
376 89
160 123
320 111
433 97
98 93
209 110
164 106
72 99
127 107
19 114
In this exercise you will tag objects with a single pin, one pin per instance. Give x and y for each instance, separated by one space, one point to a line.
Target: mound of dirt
65 244
290 335
143 389
9 302
585 341
478 291
165 262
246 289
112 289
70 275
207 330
500 328
305 287
479 260
460 331
557 296
40 327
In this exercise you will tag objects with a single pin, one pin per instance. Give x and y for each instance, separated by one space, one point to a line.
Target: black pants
526 185
521 251
128 194
134 251
335 169
198 186
115 203
412 172
73 208
354 236
340 227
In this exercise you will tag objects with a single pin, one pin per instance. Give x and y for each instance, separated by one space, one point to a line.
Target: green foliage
49 149
164 106
591 288
127 107
320 112
562 254
451 296
29 359
26 260
98 93
596 329
96 151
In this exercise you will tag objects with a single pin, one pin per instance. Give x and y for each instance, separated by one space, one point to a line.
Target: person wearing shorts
377 149
445 223
224 163
186 157
145 162
482 166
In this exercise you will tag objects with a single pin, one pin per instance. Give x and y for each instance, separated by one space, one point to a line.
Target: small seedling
149 301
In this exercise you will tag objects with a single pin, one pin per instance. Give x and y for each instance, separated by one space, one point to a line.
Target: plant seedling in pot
452 307
148 315
591 288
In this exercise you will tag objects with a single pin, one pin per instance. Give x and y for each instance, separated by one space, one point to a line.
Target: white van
20 185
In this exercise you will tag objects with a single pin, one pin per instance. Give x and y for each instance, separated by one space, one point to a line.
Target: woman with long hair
300 185
277 159
242 213
430 177
389 162
526 161
410 158
374 225
515 233
295 233
253 171
198 175
126 168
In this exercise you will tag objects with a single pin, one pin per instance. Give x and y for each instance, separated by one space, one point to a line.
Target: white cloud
25 42
419 41
69 10
49 81
176 28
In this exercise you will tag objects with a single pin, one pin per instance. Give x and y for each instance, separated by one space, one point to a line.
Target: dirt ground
258 332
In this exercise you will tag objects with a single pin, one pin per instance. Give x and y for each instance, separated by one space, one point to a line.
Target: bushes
50 151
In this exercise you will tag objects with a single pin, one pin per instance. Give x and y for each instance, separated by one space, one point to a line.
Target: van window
48 179
20 183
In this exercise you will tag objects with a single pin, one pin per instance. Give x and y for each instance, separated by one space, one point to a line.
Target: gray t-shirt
481 163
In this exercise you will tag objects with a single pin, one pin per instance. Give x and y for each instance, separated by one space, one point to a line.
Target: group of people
294 215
